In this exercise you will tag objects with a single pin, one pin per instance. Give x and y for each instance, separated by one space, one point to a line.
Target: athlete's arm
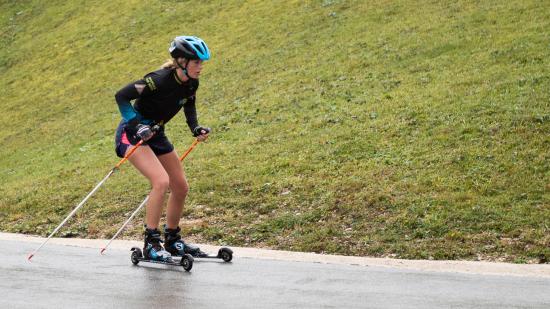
132 91
191 113
123 98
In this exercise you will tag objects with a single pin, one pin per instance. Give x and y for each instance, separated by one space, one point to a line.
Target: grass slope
412 129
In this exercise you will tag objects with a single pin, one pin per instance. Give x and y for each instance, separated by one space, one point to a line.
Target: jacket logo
150 83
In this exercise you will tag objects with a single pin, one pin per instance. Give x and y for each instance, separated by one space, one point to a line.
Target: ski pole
143 203
132 150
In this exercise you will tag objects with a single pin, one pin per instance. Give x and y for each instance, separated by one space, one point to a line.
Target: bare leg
178 188
147 163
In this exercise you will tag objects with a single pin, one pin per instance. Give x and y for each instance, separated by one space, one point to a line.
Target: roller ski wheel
136 256
186 261
225 254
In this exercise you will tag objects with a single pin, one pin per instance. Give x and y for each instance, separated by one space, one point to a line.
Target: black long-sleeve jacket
159 96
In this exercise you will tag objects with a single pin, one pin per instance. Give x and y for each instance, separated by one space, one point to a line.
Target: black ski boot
152 249
176 246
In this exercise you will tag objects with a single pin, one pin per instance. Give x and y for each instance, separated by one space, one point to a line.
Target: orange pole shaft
134 148
189 150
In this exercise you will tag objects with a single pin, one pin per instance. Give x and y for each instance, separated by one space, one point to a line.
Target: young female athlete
159 96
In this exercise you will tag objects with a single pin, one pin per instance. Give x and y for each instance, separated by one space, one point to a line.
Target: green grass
411 129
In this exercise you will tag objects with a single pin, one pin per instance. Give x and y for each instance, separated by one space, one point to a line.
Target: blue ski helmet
189 47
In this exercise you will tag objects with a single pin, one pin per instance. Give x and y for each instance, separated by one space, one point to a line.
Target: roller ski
153 252
178 248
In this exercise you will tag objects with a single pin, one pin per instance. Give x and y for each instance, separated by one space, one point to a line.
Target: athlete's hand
201 133
144 132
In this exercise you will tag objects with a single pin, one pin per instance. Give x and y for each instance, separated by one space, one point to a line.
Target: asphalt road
74 277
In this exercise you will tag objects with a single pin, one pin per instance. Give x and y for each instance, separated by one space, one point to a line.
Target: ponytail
169 64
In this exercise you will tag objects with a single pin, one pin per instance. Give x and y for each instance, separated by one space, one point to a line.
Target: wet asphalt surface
73 277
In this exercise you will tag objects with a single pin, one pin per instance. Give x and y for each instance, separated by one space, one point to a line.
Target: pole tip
30 257
102 250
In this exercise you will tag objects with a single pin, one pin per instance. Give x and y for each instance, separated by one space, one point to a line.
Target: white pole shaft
72 212
126 223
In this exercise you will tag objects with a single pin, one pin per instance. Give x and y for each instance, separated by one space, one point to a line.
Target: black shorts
124 139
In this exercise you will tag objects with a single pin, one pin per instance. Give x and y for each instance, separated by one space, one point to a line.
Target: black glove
200 131
144 132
